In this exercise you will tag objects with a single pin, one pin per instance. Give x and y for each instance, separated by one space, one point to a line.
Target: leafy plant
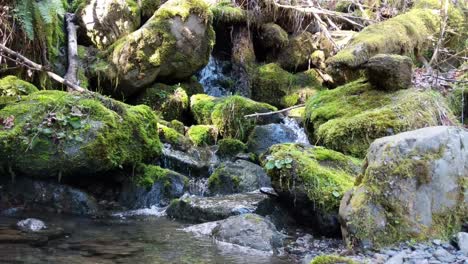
273 163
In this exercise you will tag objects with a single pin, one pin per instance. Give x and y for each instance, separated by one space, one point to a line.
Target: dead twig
275 112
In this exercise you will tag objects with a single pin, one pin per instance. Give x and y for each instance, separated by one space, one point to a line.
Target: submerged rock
37 195
105 21
263 137
205 209
237 177
389 72
54 134
311 181
412 187
31 225
172 45
350 117
153 186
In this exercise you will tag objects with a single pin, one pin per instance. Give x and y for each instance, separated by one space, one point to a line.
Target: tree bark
72 71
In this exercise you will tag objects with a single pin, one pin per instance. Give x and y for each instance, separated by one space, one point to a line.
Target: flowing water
298 130
215 77
125 240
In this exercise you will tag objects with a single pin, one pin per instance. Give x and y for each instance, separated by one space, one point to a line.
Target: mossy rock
11 88
171 101
177 126
311 179
350 117
173 137
230 147
148 7
54 133
202 135
295 56
272 84
227 13
458 100
332 259
273 36
171 46
227 113
390 72
413 188
403 34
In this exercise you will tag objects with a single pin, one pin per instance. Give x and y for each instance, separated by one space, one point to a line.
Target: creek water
143 239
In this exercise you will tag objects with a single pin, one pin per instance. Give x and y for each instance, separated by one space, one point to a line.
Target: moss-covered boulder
237 177
229 147
174 44
227 113
295 56
389 72
152 185
227 13
273 85
175 138
350 117
414 187
203 135
54 133
273 36
105 21
404 34
171 101
11 87
312 180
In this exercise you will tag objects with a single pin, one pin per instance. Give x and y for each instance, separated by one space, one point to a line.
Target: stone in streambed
263 137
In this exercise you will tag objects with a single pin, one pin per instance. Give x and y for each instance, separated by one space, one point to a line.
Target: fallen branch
32 65
275 112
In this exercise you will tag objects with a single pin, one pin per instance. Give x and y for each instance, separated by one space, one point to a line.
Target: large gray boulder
105 21
237 177
413 186
172 45
263 137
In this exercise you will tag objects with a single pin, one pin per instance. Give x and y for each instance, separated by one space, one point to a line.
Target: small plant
273 163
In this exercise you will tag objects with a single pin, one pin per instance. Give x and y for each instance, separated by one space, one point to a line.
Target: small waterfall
215 77
298 130
198 186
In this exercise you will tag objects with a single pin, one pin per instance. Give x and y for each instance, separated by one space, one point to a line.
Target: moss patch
323 175
13 86
226 12
332 259
202 135
230 147
350 117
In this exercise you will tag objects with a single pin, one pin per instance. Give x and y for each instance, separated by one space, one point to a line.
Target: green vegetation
230 147
350 117
150 174
332 259
202 135
324 175
54 132
280 88
227 13
273 36
12 86
295 56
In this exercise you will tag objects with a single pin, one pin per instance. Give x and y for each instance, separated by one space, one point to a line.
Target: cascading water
216 77
298 130
198 186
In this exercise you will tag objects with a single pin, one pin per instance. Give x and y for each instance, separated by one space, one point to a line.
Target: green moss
228 116
170 101
280 88
201 106
230 147
273 36
458 101
148 7
150 174
202 135
227 13
350 117
403 34
178 126
332 259
13 86
296 55
59 132
324 174
171 136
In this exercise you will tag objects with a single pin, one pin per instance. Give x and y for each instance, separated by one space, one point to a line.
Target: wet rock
237 177
31 225
263 137
41 195
160 192
389 72
416 175
205 209
249 230
108 20
462 242
196 161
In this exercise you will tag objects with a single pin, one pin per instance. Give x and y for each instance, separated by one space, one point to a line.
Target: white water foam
298 130
152 211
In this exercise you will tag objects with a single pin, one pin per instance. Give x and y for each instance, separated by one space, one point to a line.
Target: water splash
198 186
298 130
215 77
151 211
